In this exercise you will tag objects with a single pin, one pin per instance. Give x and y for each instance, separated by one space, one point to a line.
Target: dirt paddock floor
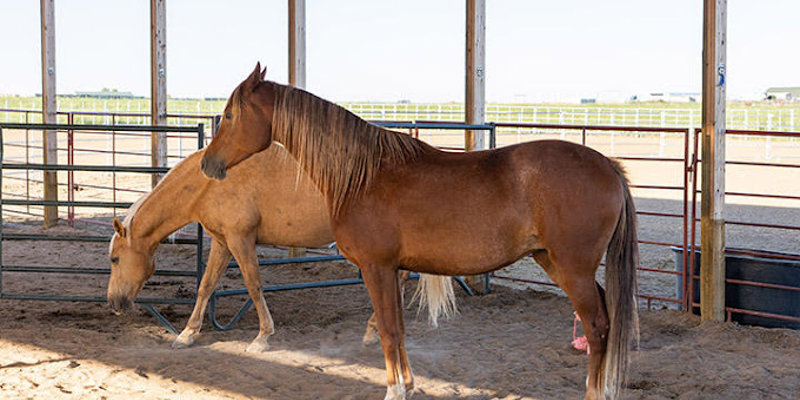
510 344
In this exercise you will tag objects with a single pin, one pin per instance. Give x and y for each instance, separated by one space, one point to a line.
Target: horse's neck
170 205
342 158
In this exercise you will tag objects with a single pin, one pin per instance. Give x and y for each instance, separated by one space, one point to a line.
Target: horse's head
130 268
246 126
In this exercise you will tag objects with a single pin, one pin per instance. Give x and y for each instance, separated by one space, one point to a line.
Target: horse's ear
119 228
255 78
264 73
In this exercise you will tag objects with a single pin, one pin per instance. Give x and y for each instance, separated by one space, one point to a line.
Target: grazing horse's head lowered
130 269
246 126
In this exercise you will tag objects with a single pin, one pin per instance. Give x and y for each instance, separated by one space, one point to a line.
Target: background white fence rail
739 116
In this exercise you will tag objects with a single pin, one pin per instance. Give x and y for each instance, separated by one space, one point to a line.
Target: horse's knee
390 340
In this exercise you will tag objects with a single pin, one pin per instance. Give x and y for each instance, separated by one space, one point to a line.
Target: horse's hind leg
244 250
218 259
576 278
371 333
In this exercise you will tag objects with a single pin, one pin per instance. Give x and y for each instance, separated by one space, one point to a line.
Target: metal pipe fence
148 303
759 253
676 146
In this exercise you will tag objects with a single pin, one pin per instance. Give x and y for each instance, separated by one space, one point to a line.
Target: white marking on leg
396 391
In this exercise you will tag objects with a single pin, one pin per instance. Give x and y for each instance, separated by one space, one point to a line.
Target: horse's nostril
119 304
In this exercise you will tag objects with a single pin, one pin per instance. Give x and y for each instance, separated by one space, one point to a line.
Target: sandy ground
510 344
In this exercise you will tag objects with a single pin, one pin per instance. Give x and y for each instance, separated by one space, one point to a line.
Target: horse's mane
340 151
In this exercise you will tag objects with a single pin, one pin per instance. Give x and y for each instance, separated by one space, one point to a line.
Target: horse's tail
436 293
622 258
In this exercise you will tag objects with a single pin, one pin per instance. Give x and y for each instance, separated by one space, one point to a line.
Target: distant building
668 97
783 93
106 94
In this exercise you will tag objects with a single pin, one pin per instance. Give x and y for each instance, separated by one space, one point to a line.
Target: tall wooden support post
475 96
712 268
297 63
475 93
49 108
158 83
297 43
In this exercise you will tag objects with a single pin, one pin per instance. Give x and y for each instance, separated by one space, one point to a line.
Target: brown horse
396 202
238 213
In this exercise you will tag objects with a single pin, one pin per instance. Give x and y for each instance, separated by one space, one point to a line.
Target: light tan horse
238 213
395 201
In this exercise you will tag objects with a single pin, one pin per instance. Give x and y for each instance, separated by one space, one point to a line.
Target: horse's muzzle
119 304
213 168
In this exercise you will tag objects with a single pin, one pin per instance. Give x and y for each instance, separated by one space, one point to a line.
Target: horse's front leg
244 251
384 291
218 259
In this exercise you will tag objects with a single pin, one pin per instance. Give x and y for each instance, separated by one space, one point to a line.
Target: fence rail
504 133
761 117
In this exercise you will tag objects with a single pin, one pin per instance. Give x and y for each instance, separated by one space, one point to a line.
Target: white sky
390 50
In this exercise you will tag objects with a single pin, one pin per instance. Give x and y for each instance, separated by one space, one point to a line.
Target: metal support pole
712 224
49 108
158 83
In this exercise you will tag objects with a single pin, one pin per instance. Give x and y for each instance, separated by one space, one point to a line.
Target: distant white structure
783 93
668 97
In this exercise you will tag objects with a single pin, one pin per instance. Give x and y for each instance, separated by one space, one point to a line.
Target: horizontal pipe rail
93 299
589 127
84 168
87 271
80 238
92 127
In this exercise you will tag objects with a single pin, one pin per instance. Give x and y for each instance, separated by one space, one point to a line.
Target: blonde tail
436 293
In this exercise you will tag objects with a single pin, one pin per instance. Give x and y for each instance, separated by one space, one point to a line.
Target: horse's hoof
182 342
257 346
369 339
410 389
395 392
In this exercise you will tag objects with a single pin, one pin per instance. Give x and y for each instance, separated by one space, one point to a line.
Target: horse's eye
228 116
114 260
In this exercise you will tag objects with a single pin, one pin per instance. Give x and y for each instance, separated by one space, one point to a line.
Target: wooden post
475 96
158 83
712 268
474 100
49 108
297 64
297 43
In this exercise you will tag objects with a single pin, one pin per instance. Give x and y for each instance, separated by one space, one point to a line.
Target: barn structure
712 276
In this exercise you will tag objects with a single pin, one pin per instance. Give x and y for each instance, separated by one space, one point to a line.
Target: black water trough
754 298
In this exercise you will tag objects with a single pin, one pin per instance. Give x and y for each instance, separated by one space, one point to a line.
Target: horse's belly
296 233
465 254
